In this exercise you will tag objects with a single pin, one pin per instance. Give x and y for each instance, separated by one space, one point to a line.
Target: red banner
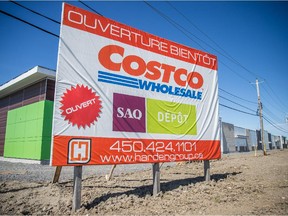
127 151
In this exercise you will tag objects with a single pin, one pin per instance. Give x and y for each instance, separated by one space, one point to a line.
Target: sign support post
207 170
57 174
108 177
77 188
156 179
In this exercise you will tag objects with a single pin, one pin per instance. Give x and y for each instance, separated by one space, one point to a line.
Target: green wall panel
28 131
47 130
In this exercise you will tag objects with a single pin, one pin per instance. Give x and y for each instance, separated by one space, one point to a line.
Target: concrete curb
25 161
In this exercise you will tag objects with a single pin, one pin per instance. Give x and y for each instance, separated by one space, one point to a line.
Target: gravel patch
44 173
241 184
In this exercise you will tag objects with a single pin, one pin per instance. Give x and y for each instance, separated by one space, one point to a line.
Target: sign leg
108 177
207 170
57 174
156 179
77 188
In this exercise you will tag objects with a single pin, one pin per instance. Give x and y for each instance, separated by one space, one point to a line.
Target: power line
90 7
275 107
237 110
274 125
237 96
272 115
185 17
35 12
276 96
231 58
28 23
228 56
237 103
239 75
176 25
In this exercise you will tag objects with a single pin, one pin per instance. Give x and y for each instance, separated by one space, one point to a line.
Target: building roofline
25 79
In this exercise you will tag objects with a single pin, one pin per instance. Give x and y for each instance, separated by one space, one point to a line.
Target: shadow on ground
166 186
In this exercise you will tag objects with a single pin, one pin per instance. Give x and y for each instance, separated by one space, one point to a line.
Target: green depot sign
166 117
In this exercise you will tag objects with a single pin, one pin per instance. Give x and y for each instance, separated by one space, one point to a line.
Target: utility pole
261 118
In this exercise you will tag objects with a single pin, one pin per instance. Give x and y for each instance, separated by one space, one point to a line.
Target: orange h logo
79 151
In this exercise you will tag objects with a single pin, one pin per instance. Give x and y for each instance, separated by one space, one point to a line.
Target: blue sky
250 40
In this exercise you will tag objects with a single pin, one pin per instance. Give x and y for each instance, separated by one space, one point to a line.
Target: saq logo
129 113
79 151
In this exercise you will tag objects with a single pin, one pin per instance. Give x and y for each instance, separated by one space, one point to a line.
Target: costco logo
79 151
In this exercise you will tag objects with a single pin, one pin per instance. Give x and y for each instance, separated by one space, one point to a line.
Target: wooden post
77 188
108 177
57 174
156 179
207 170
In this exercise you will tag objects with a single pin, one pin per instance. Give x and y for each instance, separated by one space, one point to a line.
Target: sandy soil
241 184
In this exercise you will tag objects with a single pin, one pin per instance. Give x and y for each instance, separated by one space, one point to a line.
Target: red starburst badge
80 106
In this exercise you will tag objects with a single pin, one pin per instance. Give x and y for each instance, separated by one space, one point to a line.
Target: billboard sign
127 96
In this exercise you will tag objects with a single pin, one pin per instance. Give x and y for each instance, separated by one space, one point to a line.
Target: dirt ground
241 184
